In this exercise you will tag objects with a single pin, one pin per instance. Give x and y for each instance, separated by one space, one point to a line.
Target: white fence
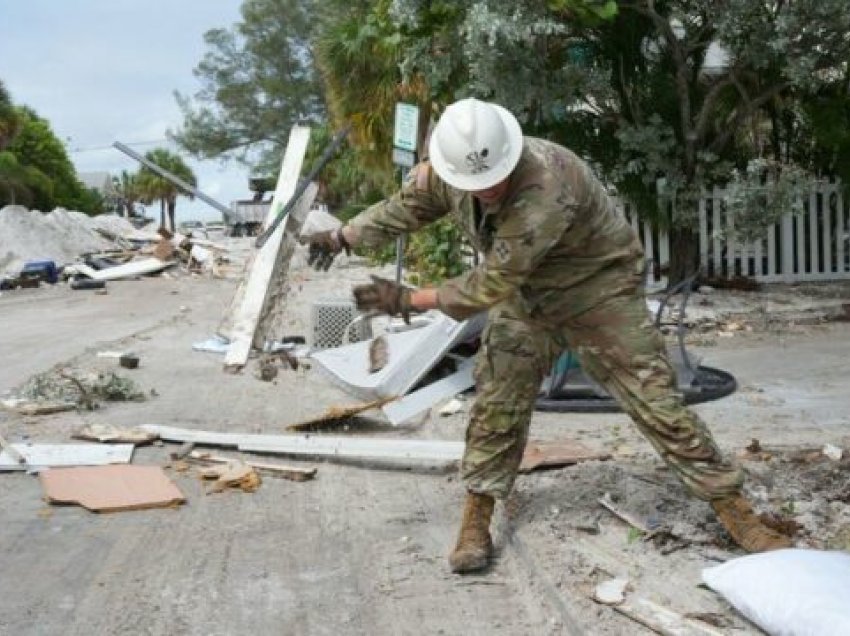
811 246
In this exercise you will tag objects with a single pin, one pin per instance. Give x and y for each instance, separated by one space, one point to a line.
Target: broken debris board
557 453
49 455
127 270
111 488
249 305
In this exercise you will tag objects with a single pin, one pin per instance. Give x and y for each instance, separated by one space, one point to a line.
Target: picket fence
813 245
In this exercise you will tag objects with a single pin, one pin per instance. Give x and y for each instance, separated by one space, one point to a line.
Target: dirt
362 549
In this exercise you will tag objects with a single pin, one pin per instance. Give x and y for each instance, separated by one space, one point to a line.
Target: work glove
384 296
324 246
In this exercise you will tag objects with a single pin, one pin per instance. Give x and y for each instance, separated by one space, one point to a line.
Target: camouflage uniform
562 268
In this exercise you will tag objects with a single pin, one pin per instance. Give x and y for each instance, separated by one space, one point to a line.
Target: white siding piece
411 355
320 445
247 313
50 455
127 270
787 247
826 263
411 405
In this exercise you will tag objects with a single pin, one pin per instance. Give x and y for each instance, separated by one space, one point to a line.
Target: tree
153 187
635 94
258 81
127 191
10 123
37 148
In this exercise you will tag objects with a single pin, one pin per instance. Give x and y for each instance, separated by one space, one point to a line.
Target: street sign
406 126
404 158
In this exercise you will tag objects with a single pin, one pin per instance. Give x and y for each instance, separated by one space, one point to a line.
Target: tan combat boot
748 531
474 545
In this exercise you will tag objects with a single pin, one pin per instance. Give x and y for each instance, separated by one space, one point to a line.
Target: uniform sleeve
419 202
534 222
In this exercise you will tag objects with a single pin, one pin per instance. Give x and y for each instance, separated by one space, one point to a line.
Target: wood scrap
379 353
559 453
663 620
181 453
293 473
113 434
233 474
111 488
634 522
336 414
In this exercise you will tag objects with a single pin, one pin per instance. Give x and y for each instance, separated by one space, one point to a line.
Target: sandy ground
362 549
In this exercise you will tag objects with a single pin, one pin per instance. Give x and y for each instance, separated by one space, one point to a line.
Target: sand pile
60 236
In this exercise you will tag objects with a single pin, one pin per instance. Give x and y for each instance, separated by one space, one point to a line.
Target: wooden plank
293 473
800 261
111 488
663 620
731 243
247 315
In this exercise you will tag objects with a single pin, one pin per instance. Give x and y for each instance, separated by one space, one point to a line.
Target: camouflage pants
620 349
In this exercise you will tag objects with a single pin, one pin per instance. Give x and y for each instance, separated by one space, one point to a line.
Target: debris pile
60 390
99 248
60 236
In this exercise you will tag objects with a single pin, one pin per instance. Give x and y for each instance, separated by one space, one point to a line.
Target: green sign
406 126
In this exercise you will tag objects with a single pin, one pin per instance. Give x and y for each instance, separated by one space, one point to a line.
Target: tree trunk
172 205
162 214
684 254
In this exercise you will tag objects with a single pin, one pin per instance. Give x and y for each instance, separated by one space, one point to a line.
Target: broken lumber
605 502
663 620
336 414
250 304
293 473
558 453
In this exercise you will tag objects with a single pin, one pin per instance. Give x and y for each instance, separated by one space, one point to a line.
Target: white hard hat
475 145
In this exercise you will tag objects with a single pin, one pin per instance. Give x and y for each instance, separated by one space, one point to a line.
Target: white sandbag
788 592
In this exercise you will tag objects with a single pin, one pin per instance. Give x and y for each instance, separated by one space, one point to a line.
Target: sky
106 70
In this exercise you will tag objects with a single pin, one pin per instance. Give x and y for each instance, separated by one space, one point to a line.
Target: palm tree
153 187
126 189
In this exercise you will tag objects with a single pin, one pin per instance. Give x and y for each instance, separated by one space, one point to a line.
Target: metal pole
400 243
165 174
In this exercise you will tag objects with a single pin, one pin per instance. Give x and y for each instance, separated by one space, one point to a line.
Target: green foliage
760 195
437 253
52 180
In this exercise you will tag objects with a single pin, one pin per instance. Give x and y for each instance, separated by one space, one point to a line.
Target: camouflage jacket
555 243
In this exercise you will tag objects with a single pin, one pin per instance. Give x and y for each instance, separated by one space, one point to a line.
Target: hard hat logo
475 145
477 162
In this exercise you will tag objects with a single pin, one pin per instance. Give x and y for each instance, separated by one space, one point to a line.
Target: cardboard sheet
111 488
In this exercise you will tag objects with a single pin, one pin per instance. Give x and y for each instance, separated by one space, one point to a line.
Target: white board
49 455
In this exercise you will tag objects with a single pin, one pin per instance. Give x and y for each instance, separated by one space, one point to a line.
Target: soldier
562 268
